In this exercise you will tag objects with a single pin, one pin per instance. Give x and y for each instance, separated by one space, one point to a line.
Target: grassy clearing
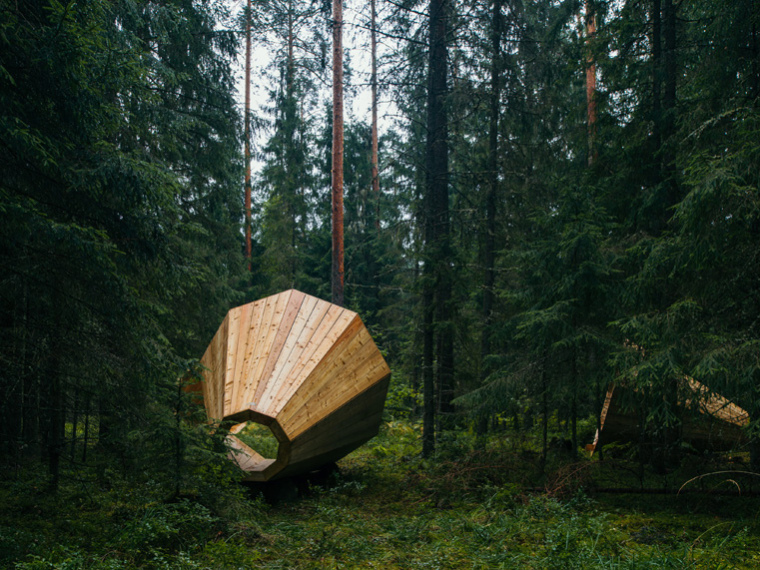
387 508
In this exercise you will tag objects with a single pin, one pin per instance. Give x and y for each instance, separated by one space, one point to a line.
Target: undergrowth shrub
169 527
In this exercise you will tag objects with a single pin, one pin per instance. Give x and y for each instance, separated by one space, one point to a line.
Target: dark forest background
523 251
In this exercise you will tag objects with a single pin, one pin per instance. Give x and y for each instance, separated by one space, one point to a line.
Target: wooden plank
272 326
336 391
340 433
338 379
233 329
238 353
323 318
213 360
343 353
246 458
249 347
256 336
284 328
716 405
324 338
296 343
261 351
357 420
219 376
335 348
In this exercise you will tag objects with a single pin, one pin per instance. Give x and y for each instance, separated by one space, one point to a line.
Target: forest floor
477 504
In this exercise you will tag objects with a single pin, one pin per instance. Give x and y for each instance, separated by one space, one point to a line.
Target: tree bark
591 84
656 71
489 253
373 160
428 363
247 129
55 411
337 155
669 103
438 372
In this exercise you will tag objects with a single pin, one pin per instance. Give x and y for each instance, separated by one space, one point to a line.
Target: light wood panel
325 338
302 330
353 371
355 422
304 367
214 363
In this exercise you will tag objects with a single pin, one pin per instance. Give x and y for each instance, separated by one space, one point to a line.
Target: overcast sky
356 47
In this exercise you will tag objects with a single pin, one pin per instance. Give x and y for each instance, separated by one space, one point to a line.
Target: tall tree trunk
437 373
657 218
337 155
31 410
86 435
55 411
544 413
74 424
292 174
591 84
755 50
489 253
428 364
373 159
574 404
247 130
656 72
669 103
179 444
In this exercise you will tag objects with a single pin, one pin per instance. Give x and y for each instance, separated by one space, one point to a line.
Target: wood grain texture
355 422
214 364
307 369
301 332
325 336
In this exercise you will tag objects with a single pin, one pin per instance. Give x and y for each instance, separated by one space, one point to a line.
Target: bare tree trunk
247 126
55 412
669 102
591 85
440 179
493 182
74 424
337 155
656 70
753 46
544 413
373 159
574 404
438 372
428 366
86 436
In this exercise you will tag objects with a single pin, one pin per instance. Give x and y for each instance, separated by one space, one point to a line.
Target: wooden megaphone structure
306 369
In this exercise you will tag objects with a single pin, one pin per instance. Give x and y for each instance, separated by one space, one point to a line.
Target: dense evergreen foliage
119 214
517 260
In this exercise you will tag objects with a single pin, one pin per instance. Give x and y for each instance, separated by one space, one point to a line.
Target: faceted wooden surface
306 368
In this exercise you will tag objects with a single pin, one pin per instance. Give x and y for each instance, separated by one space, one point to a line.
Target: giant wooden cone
305 368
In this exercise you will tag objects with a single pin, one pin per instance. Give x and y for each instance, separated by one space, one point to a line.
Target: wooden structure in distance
719 426
305 368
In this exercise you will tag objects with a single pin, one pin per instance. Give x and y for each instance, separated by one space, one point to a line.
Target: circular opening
258 437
